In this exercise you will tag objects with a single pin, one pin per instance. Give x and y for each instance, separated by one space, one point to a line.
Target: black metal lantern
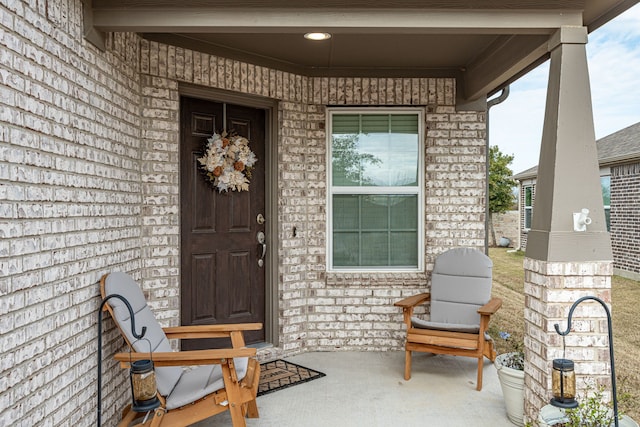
144 393
563 369
141 375
563 381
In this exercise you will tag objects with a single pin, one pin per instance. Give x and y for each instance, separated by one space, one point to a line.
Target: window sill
377 278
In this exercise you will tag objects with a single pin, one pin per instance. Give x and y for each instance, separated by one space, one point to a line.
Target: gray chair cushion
423 324
460 285
196 383
454 313
180 386
463 262
123 284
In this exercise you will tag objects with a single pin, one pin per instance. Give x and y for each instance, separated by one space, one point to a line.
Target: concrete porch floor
368 389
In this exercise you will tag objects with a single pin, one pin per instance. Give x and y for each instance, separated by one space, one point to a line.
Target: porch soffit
484 44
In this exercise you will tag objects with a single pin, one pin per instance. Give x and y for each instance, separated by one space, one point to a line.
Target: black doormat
279 374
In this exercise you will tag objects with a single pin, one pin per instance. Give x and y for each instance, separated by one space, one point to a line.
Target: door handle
262 244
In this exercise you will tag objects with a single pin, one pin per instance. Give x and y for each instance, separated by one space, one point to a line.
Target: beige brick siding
506 224
625 218
160 207
70 208
454 179
89 184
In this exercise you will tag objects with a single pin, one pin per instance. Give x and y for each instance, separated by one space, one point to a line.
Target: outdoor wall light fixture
563 376
317 36
581 220
141 375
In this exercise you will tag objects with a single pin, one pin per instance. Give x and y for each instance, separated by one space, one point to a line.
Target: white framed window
528 206
375 189
605 184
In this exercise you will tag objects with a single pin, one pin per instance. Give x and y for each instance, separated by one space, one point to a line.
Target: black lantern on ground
141 375
565 374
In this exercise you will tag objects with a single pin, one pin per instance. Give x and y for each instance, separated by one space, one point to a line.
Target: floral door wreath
227 162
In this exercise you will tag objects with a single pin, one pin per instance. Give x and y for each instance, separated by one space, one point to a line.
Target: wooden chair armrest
414 300
209 331
186 358
491 307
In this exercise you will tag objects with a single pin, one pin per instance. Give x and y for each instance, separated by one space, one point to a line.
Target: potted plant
510 366
592 411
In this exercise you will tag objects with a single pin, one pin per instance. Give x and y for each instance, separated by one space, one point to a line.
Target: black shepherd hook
133 332
613 366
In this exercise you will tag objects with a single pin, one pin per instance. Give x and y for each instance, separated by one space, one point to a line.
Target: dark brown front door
222 279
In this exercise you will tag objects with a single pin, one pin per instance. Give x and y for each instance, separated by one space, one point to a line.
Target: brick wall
506 224
625 219
160 198
70 208
89 184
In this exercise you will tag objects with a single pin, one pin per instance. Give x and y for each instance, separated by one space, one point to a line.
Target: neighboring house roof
527 174
619 147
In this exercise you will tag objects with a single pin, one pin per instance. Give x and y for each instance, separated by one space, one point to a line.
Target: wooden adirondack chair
460 309
224 379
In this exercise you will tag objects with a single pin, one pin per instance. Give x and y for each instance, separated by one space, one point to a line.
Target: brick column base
550 290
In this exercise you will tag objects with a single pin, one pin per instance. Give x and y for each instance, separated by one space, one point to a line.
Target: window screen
374 191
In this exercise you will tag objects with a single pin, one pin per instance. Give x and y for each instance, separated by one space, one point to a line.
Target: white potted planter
550 416
512 383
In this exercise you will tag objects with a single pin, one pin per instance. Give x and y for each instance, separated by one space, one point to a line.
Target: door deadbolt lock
260 219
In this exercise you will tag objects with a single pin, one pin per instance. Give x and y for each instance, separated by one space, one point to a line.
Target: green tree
348 162
501 197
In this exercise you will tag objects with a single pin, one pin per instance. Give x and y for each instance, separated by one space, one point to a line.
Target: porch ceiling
485 44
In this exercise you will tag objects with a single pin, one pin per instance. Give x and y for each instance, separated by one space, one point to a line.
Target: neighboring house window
528 206
375 192
605 183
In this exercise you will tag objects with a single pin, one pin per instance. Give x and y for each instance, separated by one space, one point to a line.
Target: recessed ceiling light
317 36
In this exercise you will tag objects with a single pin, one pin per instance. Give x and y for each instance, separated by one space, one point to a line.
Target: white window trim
606 172
376 190
525 207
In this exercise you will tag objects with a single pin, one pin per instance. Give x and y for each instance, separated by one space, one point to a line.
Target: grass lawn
508 284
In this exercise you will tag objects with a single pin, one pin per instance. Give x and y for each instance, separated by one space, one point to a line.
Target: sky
613 56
